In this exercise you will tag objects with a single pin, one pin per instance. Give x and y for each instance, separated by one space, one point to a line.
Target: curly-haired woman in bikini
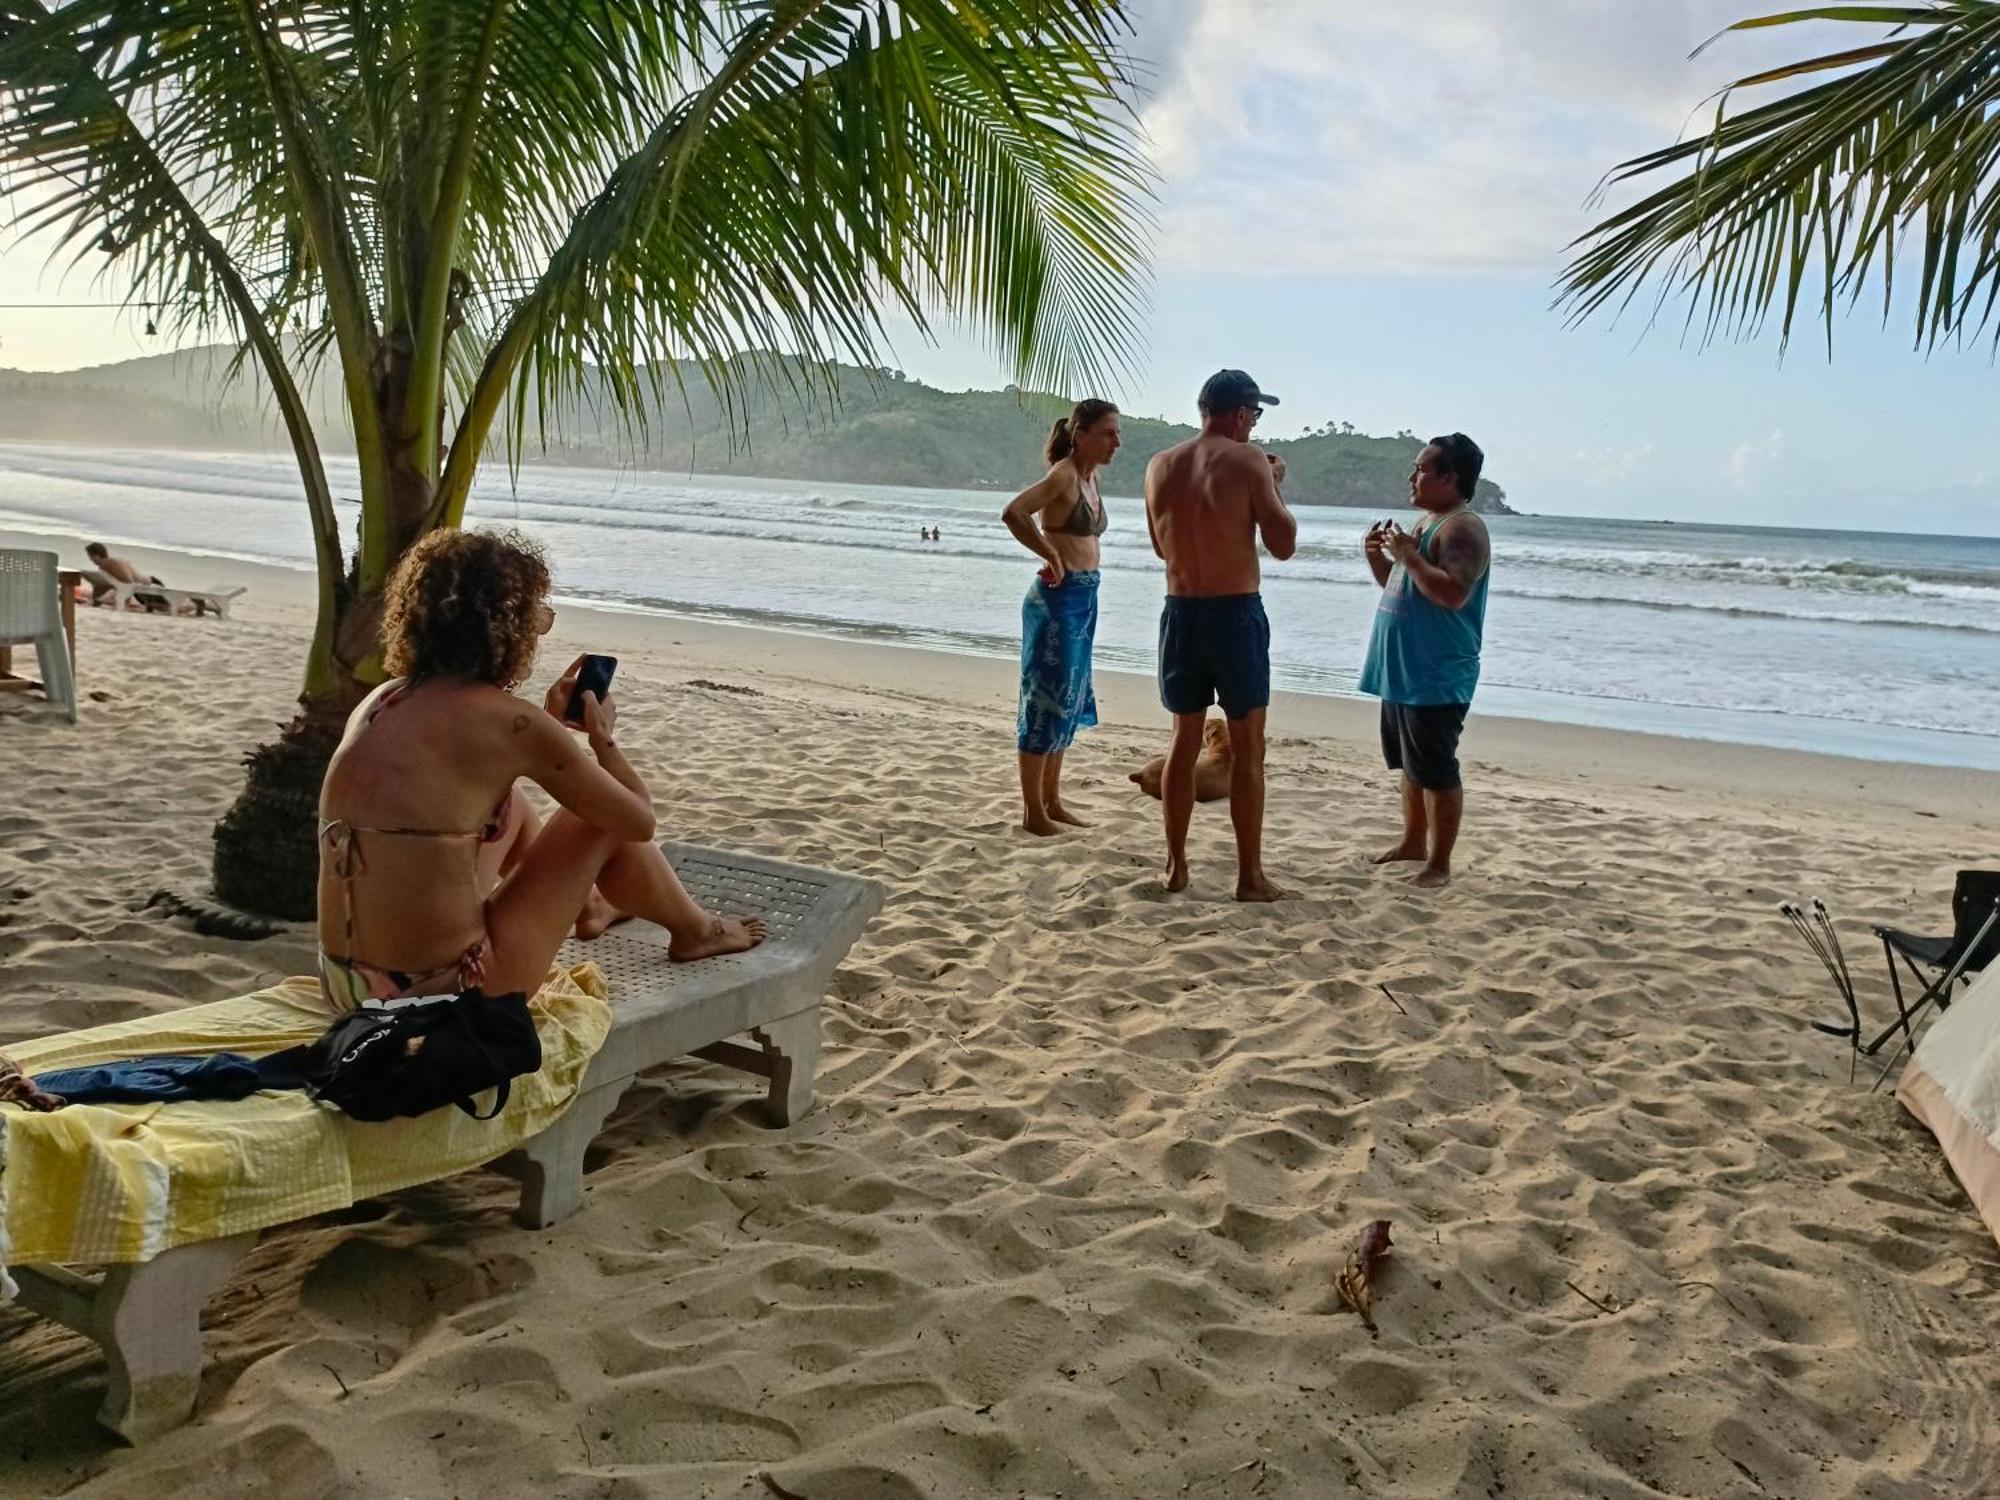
436 876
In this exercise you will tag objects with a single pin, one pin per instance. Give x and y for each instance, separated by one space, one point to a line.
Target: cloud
1599 469
1752 462
1161 30
1451 135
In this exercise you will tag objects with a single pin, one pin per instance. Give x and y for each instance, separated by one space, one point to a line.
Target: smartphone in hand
594 676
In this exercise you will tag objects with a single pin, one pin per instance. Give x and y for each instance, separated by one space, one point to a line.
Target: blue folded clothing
165 1079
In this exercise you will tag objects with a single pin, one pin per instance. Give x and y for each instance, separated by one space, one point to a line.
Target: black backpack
365 1062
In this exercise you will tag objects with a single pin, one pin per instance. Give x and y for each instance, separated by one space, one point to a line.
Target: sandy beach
1087 1158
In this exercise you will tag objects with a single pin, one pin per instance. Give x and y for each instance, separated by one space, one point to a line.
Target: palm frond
1801 201
612 195
836 167
81 163
81 151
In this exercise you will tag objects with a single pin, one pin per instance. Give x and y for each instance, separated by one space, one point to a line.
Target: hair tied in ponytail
1062 437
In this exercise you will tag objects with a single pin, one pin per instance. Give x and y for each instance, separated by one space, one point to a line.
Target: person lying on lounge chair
109 569
435 875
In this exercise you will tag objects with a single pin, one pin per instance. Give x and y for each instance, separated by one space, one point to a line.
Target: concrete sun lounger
757 1011
205 601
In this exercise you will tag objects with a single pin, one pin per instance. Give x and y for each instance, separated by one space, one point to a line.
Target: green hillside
872 429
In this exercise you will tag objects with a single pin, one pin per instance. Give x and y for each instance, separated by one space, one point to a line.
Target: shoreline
1497 748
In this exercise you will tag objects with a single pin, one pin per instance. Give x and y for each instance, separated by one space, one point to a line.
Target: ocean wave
1913 593
862 529
1293 676
203 474
1947 721
1840 575
851 521
1844 575
59 528
1753 612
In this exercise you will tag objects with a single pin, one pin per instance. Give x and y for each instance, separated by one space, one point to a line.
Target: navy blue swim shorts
1215 650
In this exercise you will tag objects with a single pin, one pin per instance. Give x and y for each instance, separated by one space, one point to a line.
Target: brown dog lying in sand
1211 768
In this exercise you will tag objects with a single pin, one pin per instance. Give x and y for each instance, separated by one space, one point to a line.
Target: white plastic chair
31 614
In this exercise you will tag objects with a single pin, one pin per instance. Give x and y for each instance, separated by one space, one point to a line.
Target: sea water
1878 645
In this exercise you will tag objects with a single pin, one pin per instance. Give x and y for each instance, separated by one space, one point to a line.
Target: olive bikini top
1085 519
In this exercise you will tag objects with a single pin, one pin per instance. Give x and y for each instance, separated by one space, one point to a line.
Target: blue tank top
1420 652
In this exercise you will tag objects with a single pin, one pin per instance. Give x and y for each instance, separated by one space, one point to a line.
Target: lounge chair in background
757 1011
205 601
32 613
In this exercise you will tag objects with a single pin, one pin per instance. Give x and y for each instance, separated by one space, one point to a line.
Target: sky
1365 203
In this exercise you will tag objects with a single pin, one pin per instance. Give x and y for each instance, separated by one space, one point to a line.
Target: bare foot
1400 852
598 917
1263 888
1431 877
1041 826
1176 878
724 935
1063 815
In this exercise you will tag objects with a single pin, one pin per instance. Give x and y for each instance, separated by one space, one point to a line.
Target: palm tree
474 211
1800 200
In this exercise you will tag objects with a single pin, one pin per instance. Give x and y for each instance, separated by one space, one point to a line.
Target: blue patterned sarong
1057 627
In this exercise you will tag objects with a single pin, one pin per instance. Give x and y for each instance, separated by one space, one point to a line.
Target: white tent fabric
1953 1086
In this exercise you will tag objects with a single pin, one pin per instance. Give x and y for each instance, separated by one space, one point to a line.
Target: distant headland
862 427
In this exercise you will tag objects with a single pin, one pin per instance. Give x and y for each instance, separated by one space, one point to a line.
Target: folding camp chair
1969 947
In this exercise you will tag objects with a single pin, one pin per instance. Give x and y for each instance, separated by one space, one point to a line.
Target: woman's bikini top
340 831
345 861
1084 519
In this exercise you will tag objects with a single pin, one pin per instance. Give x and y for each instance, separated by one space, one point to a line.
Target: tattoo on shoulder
1462 555
520 722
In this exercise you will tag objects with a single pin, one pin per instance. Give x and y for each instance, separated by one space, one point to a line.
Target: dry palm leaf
1355 1283
17 1088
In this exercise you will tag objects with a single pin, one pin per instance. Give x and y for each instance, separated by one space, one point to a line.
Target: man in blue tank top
1423 654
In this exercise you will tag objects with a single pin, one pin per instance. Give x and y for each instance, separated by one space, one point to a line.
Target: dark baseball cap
1226 390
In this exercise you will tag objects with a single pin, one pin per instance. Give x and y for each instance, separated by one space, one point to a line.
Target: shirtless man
1207 502
103 562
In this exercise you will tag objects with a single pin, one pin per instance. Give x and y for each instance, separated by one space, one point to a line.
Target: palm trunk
266 844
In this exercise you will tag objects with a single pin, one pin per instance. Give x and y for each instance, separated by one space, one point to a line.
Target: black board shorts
1215 650
1421 741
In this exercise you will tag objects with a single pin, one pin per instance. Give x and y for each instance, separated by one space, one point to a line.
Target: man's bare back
106 569
1206 501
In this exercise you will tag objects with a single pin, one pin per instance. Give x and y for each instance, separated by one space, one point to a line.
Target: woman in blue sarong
1060 519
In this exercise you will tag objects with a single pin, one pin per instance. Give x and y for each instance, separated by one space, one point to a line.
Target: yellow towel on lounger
98 1184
